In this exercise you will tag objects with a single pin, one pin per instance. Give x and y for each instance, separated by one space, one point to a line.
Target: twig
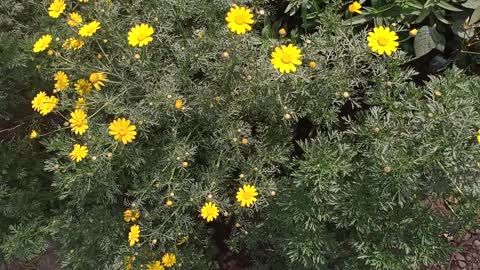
8 129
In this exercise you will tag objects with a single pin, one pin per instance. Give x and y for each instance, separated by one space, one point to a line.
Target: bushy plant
165 106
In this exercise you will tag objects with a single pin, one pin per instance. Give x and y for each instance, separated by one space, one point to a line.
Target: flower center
94 78
141 36
382 41
122 132
287 59
239 19
247 195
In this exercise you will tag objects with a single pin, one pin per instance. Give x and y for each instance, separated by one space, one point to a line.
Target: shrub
345 151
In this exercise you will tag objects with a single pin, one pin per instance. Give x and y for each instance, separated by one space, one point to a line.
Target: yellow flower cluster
44 104
168 260
246 196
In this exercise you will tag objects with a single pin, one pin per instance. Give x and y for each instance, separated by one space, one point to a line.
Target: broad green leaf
440 17
356 20
415 4
472 4
427 39
422 15
447 6
429 3
475 17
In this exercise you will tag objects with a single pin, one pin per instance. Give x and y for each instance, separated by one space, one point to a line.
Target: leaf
440 17
472 4
422 15
427 39
475 16
447 6
415 4
356 20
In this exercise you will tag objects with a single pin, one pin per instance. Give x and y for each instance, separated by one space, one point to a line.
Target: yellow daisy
73 44
83 87
382 40
239 20
78 122
140 35
42 43
122 131
81 103
79 152
355 8
89 29
134 235
131 215
97 79
62 81
169 259
48 105
285 58
156 265
38 101
56 8
478 136
34 134
246 195
209 211
74 19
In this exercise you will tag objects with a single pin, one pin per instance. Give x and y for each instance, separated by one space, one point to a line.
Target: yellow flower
312 64
122 131
62 81
97 79
74 19
83 87
131 215
48 105
285 58
478 136
140 35
382 40
239 20
282 32
38 101
355 7
83 1
209 211
178 104
155 266
169 203
73 44
78 122
42 43
246 195
34 134
81 102
79 152
133 235
89 29
56 8
169 259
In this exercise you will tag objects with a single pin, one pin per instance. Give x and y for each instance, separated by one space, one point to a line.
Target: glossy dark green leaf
447 6
427 39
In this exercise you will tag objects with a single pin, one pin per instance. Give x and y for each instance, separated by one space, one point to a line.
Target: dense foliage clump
149 134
